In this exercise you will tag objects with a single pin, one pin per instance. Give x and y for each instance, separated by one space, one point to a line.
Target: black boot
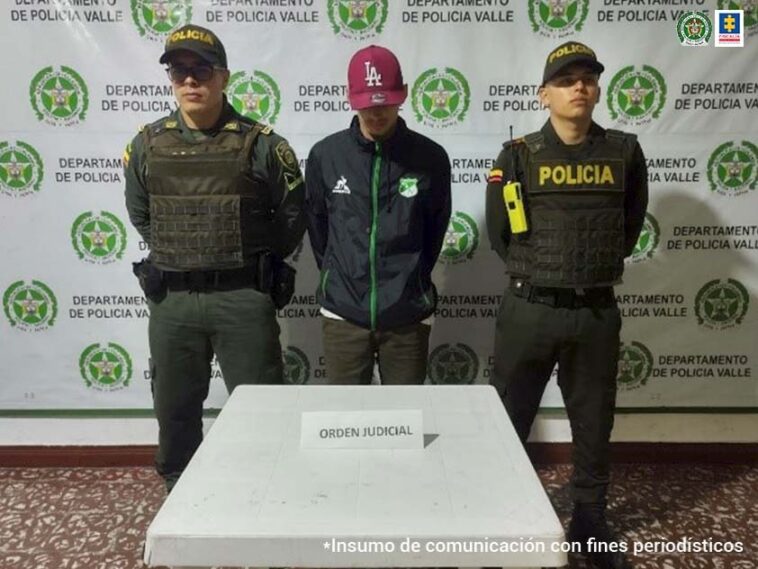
590 528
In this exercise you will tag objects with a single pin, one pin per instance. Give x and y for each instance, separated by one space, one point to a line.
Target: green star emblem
18 172
636 96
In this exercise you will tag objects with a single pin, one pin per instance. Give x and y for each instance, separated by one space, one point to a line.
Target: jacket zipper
376 168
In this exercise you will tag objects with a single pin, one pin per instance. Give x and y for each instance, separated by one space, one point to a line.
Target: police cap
570 53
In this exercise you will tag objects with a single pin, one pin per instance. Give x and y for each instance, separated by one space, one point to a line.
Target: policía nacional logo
453 364
30 307
749 12
105 367
357 19
635 366
255 95
59 98
155 19
98 238
636 96
694 29
21 170
558 18
297 368
733 168
440 97
721 304
647 243
461 239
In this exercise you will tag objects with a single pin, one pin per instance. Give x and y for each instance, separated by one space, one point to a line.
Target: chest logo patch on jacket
408 187
341 186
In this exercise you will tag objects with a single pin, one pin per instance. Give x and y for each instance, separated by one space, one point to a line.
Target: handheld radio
514 200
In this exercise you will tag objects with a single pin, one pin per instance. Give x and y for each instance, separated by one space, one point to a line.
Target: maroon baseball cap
374 79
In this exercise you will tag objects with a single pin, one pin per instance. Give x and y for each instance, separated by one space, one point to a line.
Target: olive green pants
530 338
186 329
351 351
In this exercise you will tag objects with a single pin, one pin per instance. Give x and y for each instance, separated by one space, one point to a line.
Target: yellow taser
514 205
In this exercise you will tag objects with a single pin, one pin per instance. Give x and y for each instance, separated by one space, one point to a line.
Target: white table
251 497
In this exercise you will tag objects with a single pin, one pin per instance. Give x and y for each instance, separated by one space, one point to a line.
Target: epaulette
620 136
166 123
248 123
514 142
535 141
266 129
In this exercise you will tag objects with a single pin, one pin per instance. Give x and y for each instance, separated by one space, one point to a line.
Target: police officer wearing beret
563 235
219 200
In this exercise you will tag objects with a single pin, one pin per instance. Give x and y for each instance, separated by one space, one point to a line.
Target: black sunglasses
179 73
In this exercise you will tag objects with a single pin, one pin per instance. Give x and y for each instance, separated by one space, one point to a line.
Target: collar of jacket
551 137
227 113
401 131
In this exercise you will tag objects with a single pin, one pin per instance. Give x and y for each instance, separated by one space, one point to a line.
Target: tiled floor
95 518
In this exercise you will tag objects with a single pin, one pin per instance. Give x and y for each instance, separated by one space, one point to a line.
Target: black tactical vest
575 207
206 209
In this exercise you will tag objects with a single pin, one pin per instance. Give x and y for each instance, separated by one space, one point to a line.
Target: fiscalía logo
255 95
733 168
558 18
647 242
694 29
440 98
461 239
453 364
721 304
105 367
21 170
730 28
635 366
749 11
408 187
156 19
636 97
297 368
98 238
30 307
357 19
59 98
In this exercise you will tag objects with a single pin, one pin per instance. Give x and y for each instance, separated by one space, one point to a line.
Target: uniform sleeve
635 200
438 211
318 218
498 226
285 181
137 199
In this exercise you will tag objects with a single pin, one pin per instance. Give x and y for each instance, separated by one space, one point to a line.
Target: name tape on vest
604 174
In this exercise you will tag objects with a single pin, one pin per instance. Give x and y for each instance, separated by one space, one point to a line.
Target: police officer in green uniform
219 200
563 235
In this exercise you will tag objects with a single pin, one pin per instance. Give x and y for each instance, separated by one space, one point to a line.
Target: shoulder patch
286 156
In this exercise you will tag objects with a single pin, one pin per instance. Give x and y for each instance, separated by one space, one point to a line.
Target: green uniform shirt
273 163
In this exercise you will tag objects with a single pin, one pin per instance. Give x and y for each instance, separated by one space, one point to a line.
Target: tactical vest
576 214
206 210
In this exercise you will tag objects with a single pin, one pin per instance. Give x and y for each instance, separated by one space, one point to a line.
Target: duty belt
206 281
563 297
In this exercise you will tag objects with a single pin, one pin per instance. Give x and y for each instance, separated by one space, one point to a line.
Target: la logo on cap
373 77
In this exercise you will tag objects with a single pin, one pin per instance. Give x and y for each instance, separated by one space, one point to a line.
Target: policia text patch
604 174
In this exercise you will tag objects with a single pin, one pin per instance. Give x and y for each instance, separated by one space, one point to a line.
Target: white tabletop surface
251 497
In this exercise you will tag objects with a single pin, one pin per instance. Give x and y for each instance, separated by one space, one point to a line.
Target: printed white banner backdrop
81 76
